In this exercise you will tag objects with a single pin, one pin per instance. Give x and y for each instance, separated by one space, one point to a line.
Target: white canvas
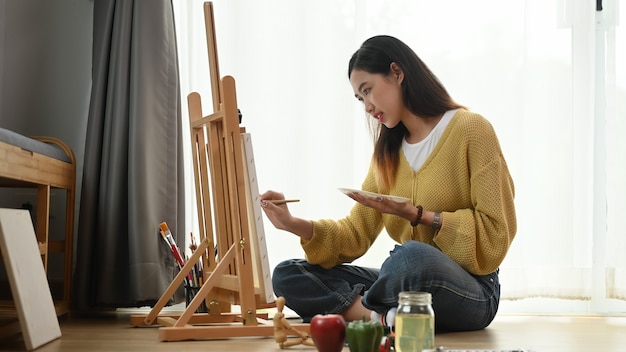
260 259
27 278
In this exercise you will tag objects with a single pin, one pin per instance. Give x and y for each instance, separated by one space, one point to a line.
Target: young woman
453 234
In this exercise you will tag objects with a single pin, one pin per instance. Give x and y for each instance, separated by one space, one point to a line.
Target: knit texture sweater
466 178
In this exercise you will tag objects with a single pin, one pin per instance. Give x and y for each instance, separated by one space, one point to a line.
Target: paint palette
374 195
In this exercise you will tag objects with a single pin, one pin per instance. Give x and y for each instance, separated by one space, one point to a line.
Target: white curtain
549 75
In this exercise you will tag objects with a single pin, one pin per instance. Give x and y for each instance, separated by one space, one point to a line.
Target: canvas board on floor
29 285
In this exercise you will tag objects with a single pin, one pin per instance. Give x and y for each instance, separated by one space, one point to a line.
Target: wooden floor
112 332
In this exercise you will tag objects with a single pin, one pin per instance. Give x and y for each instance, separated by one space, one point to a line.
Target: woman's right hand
278 214
281 218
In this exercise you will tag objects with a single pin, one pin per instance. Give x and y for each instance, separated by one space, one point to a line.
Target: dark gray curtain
133 170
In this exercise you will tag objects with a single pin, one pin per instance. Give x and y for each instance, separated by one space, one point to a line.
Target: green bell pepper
364 336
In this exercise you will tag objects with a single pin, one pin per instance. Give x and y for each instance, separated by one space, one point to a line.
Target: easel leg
165 297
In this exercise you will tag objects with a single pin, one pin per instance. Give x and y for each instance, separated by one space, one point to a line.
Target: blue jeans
461 301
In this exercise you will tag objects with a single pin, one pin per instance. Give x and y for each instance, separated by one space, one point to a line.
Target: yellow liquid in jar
414 332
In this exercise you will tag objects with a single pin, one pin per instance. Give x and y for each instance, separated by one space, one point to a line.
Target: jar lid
415 296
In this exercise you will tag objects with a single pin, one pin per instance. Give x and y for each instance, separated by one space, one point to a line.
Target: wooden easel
219 167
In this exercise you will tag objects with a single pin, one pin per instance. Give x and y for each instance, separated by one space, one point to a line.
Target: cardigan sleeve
342 241
478 238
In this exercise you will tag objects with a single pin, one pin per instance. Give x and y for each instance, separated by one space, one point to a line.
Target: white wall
45 79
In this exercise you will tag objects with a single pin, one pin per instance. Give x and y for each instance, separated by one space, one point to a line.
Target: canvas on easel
260 259
37 317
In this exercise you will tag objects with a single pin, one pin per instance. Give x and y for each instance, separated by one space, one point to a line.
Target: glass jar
415 322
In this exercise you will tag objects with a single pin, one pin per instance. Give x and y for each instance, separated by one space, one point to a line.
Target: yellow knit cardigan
466 178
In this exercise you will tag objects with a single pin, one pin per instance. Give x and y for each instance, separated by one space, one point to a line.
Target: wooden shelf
20 168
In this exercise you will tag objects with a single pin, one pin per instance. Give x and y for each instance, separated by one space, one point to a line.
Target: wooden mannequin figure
282 327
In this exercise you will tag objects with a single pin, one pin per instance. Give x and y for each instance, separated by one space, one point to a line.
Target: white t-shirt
417 153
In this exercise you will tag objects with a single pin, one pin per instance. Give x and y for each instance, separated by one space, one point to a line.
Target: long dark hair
422 93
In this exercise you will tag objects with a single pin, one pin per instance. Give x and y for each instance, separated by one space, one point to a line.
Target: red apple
328 332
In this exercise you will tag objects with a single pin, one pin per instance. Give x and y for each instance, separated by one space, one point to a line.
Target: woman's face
381 96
